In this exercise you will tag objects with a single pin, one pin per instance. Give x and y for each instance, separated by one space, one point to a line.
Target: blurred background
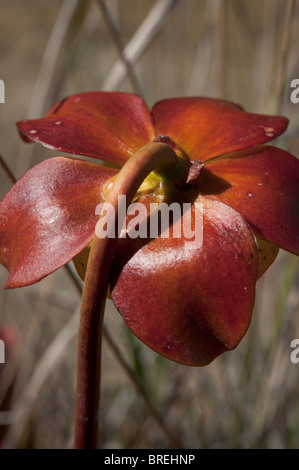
242 50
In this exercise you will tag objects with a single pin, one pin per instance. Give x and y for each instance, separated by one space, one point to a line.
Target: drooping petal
206 127
48 217
189 301
105 125
262 184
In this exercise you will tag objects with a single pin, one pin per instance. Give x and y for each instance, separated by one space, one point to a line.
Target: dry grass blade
45 75
172 437
47 68
115 36
7 171
222 56
31 337
204 53
28 399
9 373
285 47
264 55
275 359
139 42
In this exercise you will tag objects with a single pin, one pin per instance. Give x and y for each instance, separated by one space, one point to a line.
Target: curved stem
155 156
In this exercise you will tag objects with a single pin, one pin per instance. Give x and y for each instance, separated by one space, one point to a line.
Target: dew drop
249 194
57 123
269 131
33 131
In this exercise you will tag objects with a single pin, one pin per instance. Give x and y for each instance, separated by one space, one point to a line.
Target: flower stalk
154 156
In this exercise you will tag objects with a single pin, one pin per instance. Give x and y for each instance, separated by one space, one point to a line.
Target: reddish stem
155 156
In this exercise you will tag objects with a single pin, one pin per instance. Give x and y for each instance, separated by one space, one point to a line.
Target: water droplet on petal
57 123
33 131
269 132
249 194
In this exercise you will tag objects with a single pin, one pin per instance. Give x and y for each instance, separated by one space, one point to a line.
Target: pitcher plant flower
189 300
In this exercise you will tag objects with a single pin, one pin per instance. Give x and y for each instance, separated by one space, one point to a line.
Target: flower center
183 176
151 183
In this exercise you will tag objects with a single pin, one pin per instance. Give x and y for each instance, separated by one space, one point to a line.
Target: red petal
205 127
262 184
189 302
48 217
105 125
